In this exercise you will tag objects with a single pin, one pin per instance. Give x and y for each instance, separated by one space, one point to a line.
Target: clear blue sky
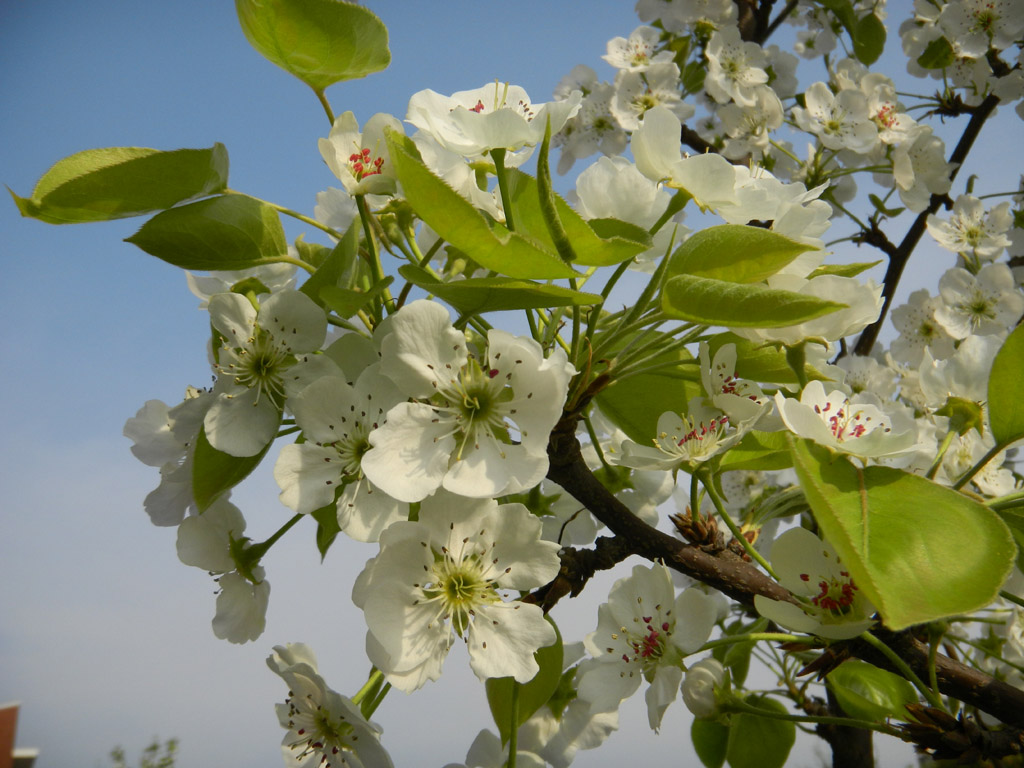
104 635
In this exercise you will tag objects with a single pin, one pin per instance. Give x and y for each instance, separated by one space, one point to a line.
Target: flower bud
699 687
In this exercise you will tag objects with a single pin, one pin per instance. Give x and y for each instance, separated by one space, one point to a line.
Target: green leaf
718 302
868 39
618 242
876 201
327 528
868 693
760 742
334 268
118 182
737 659
225 232
938 54
843 270
313 254
635 404
765 451
346 302
532 695
214 472
735 253
319 41
917 550
1006 390
710 739
455 220
493 294
843 11
1015 522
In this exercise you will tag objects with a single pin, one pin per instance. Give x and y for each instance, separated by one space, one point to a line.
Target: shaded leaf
718 302
1006 390
868 693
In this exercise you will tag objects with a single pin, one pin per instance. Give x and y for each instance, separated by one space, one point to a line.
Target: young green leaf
938 54
720 302
593 244
760 742
917 550
710 739
119 182
868 39
735 253
1006 390
321 42
215 472
335 268
346 302
492 294
225 232
868 693
327 528
532 695
456 220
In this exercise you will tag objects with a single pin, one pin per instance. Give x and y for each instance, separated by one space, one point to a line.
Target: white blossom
440 578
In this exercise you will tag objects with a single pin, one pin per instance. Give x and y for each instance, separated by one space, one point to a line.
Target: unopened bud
699 687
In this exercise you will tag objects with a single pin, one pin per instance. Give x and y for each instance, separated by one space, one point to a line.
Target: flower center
479 401
460 585
648 649
318 731
363 164
261 364
836 595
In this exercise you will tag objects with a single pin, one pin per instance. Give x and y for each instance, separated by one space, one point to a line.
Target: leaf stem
708 482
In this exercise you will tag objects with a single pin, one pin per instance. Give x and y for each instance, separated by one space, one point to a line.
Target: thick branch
898 259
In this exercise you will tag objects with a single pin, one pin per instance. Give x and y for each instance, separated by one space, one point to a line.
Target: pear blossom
985 303
735 68
963 374
638 52
977 25
360 160
638 92
593 128
478 427
273 277
709 178
487 751
699 686
336 209
840 120
323 727
685 439
205 541
643 632
336 419
919 330
165 438
857 425
495 116
439 578
973 231
920 169
749 128
741 399
831 604
256 365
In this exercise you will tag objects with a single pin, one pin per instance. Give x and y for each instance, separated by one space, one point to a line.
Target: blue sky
105 636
